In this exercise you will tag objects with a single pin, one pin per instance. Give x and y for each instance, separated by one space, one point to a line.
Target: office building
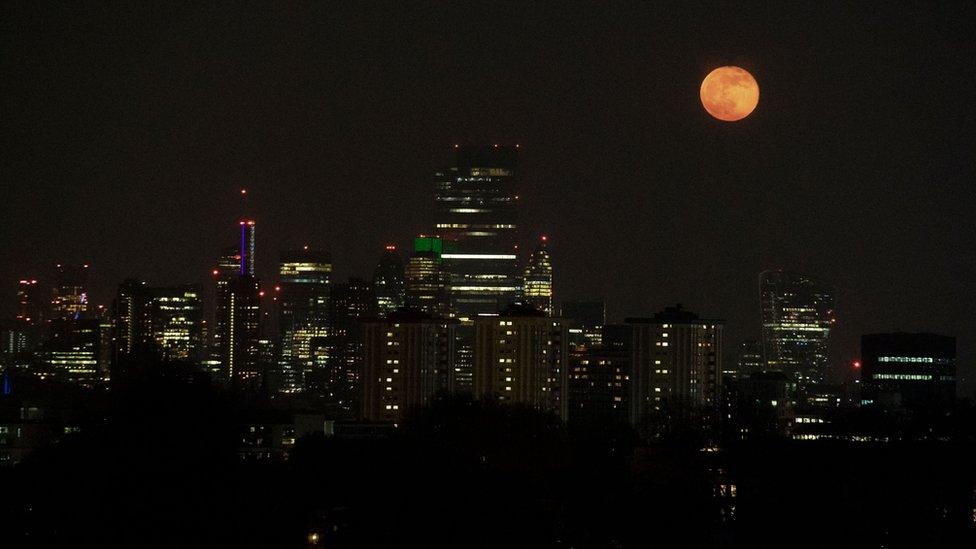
476 207
302 295
70 292
797 315
587 319
73 352
537 281
388 282
910 371
426 282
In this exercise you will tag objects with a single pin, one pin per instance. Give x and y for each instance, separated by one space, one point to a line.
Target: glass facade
797 315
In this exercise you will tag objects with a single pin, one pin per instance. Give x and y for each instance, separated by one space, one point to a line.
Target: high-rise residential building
408 359
388 282
70 292
521 356
797 315
599 381
915 372
303 290
677 371
426 282
476 207
537 281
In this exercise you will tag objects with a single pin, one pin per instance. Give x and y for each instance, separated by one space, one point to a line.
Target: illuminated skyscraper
677 371
70 295
388 281
131 322
408 359
476 208
537 289
521 356
240 346
797 314
227 270
426 281
176 320
247 247
73 350
303 311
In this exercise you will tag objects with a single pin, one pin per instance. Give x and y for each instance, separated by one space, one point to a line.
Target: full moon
729 93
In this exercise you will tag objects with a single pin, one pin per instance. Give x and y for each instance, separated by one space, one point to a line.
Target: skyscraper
176 320
388 282
73 350
537 288
31 314
677 371
521 356
227 270
131 321
240 338
425 278
476 207
70 293
247 247
303 311
797 314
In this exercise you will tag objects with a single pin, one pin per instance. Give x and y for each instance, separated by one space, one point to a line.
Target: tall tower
247 247
388 282
476 206
537 287
303 311
797 314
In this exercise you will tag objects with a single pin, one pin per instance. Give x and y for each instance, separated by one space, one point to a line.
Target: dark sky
125 135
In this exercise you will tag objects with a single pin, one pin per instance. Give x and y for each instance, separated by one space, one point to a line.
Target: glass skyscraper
797 314
303 311
476 207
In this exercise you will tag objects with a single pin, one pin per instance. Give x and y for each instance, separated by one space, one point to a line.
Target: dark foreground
163 471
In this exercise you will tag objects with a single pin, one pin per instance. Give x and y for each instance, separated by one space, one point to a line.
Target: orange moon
729 93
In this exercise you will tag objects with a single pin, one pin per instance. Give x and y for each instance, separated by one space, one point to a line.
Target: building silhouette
388 282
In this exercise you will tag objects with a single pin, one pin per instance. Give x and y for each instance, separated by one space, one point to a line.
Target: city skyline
487 274
609 122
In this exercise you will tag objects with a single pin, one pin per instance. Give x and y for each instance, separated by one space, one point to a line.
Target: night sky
127 134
